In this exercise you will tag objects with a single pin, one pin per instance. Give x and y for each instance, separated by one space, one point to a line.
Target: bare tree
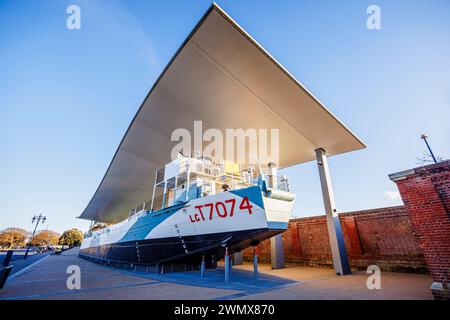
427 158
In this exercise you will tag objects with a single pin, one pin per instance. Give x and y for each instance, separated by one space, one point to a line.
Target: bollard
227 266
4 273
5 269
255 262
8 258
202 267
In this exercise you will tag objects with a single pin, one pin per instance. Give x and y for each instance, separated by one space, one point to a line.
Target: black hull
173 251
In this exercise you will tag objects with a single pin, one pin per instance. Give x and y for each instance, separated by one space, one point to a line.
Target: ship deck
47 280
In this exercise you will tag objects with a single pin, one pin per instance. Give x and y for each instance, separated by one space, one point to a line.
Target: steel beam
338 250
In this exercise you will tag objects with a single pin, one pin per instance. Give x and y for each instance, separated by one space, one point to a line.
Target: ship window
160 175
148 205
206 188
158 196
170 193
181 188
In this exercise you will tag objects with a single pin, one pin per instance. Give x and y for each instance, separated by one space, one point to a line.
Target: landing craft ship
199 208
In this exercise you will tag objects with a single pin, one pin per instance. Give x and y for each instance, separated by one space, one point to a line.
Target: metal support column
227 266
202 267
276 242
338 250
255 262
276 252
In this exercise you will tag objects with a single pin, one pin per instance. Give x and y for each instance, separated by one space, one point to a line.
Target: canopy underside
222 77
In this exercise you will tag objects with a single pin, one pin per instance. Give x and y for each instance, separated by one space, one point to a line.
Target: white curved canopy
220 75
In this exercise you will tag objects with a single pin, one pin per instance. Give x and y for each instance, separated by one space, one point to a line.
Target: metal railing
278 182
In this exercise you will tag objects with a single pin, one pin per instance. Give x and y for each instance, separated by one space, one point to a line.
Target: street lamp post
424 138
39 218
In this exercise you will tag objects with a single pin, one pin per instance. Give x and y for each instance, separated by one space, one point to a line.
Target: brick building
426 193
411 238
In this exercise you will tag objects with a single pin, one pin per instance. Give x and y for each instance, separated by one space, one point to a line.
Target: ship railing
278 182
157 202
143 207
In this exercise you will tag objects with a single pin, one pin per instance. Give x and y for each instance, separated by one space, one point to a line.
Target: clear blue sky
67 96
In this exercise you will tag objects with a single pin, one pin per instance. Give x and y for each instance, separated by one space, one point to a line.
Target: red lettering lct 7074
220 209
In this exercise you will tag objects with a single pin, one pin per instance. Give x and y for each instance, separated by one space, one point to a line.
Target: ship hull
186 232
160 251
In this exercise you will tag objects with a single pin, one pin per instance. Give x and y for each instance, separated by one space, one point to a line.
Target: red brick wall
426 193
380 236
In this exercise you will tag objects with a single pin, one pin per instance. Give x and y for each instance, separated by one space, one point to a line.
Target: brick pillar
296 249
351 236
426 194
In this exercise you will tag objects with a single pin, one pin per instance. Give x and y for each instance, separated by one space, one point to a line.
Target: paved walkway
47 280
19 263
